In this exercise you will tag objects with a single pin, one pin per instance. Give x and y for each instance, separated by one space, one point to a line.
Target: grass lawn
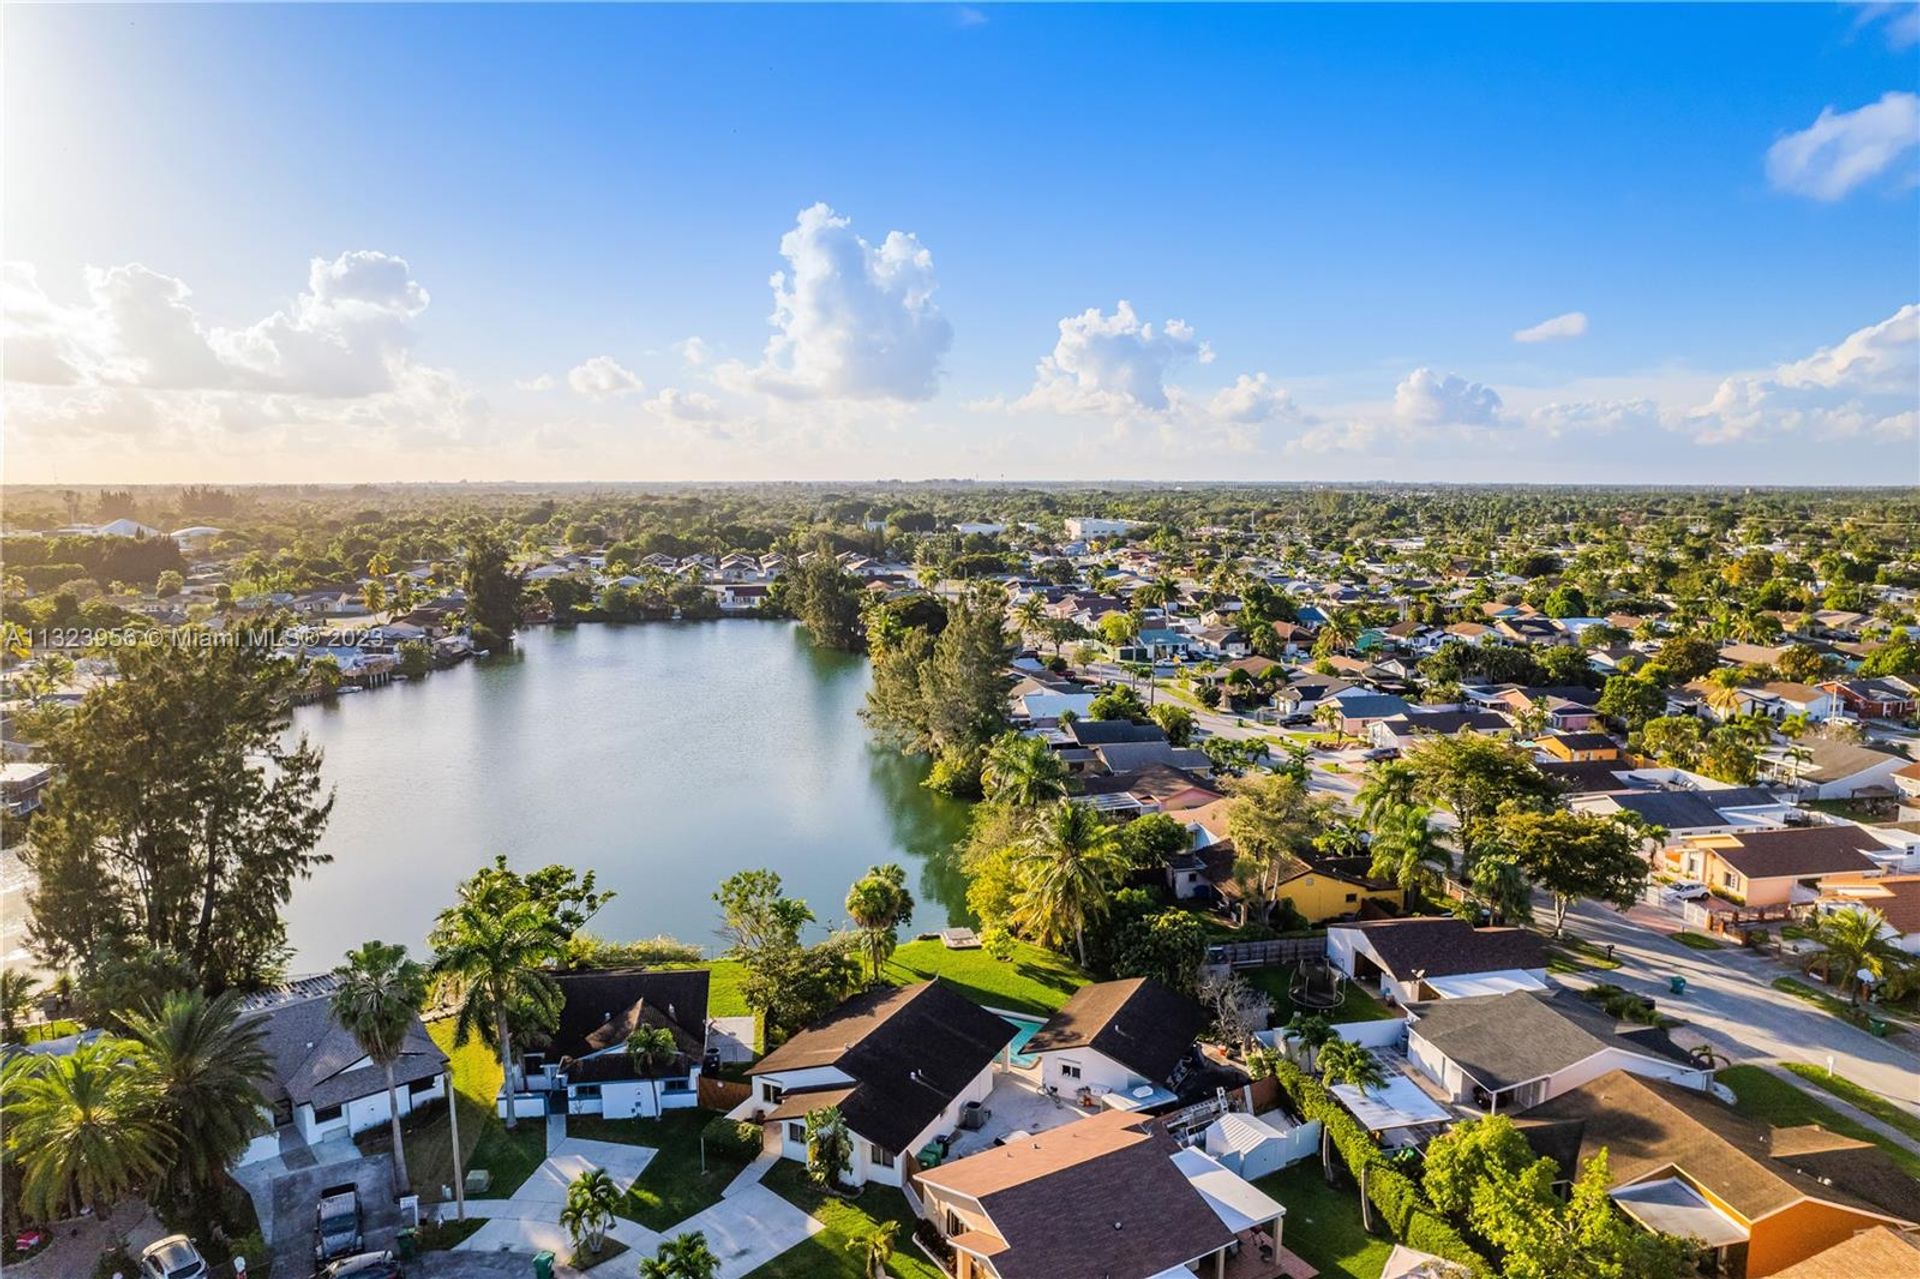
1769 1097
1697 941
1034 981
484 1141
1356 1004
1813 995
1863 1099
672 1188
1570 954
441 1236
827 1255
1323 1224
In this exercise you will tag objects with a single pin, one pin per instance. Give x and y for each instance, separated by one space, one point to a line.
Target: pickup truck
336 1223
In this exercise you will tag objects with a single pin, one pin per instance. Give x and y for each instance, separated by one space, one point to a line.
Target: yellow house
1580 748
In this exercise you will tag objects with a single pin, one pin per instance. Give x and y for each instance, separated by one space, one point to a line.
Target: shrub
731 1136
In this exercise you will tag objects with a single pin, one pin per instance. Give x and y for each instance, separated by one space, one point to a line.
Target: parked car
1379 753
1686 890
174 1257
336 1223
365 1265
1298 719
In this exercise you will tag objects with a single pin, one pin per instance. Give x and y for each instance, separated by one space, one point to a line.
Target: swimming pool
1024 1029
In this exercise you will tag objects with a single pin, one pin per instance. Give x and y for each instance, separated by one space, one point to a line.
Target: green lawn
1771 1098
1813 995
1034 981
484 1141
1356 1004
1863 1099
1323 1224
672 1188
1697 941
1571 954
827 1254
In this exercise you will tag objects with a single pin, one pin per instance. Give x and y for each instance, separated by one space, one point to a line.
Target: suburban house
1153 788
1112 1196
587 1063
1764 867
21 784
1579 748
1437 957
1682 813
1403 731
1889 698
1762 1199
1319 890
1124 1044
1511 1052
1877 1253
900 1064
1826 769
1897 897
321 1084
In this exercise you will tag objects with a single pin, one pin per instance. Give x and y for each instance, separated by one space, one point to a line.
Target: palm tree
878 904
17 991
1312 1032
1022 771
1406 850
1344 1062
1070 863
1389 785
682 1257
1723 692
1029 613
84 1127
875 1249
1327 715
379 995
1503 886
591 1199
491 960
829 1146
207 1060
652 1049
1851 939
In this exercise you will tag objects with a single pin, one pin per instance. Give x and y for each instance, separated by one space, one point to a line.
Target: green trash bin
542 1265
408 1244
1876 1027
1677 984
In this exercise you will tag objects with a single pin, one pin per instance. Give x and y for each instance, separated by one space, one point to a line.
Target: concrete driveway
745 1231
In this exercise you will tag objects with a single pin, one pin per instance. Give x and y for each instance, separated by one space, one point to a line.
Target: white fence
1388 1033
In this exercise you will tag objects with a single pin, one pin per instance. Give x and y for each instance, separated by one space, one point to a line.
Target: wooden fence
722 1094
1262 954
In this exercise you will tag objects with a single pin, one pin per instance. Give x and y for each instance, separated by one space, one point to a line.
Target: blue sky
1332 201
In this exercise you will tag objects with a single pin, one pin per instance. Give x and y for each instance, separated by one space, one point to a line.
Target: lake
662 756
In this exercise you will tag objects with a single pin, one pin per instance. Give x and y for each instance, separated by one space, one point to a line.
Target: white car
174 1257
1686 890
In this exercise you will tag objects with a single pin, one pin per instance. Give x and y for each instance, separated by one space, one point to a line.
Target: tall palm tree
1344 1062
207 1059
380 992
1312 1032
875 1249
1500 883
1406 850
492 960
1388 785
1022 771
652 1049
1029 613
878 904
1069 865
1851 939
591 1199
17 990
829 1145
1723 692
682 1257
84 1127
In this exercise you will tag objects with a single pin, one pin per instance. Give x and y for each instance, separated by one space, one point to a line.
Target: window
1353 897
675 1085
421 1087
586 1092
771 1091
326 1114
1069 1070
797 1134
880 1156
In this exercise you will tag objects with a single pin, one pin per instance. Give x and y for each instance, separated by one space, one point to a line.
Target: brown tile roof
1139 1023
1801 851
1878 1253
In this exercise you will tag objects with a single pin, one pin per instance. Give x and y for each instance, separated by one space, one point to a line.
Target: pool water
1024 1029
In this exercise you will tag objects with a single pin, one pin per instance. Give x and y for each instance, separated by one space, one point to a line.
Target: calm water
663 757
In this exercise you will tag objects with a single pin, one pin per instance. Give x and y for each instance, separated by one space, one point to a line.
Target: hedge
1401 1203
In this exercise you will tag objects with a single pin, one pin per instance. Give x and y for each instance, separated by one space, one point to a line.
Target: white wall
1633 1063
1097 1071
1390 1032
790 1145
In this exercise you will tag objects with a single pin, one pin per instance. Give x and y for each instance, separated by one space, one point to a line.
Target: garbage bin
408 1244
1877 1027
1678 985
542 1265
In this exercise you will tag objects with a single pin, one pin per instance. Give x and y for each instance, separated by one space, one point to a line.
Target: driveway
286 1188
1730 1003
529 1220
746 1231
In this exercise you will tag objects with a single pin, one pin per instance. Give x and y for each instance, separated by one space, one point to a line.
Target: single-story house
1889 698
1419 723
1437 956
1510 1052
1580 748
1113 1196
900 1064
1827 769
586 1058
1875 1253
1764 867
1130 1040
1762 1199
1682 813
1897 897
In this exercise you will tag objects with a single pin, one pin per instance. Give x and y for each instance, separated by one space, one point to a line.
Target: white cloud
602 377
1570 325
1425 398
1899 22
684 406
970 17
694 351
1252 399
1112 364
1863 385
1842 149
1599 417
855 321
544 382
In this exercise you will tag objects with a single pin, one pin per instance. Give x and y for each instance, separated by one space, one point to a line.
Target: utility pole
459 1174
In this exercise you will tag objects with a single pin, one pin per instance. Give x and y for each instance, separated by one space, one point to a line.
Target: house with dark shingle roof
1763 1199
1119 1037
586 1057
321 1083
1763 867
1436 956
900 1064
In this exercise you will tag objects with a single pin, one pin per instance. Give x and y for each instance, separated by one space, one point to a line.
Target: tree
1687 656
492 962
1389 785
1565 601
378 995
1675 740
1341 1061
826 598
169 584
829 1147
182 814
875 1249
791 986
1175 721
17 992
879 904
1467 1155
1574 856
493 590
1473 777
1802 663
567 896
1631 699
1022 771
1852 939
651 1049
946 696
1118 701
83 1127
1272 819
1154 840
685 1256
757 912
1239 1011
1407 852
1503 887
1071 862
592 1197
205 1061
1168 946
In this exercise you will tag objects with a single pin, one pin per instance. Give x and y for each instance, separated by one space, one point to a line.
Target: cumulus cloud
544 382
1841 150
1114 364
684 406
1596 417
602 377
1862 385
1560 327
694 351
854 320
1252 399
1425 398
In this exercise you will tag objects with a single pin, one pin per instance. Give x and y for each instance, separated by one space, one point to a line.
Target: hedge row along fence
1402 1204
